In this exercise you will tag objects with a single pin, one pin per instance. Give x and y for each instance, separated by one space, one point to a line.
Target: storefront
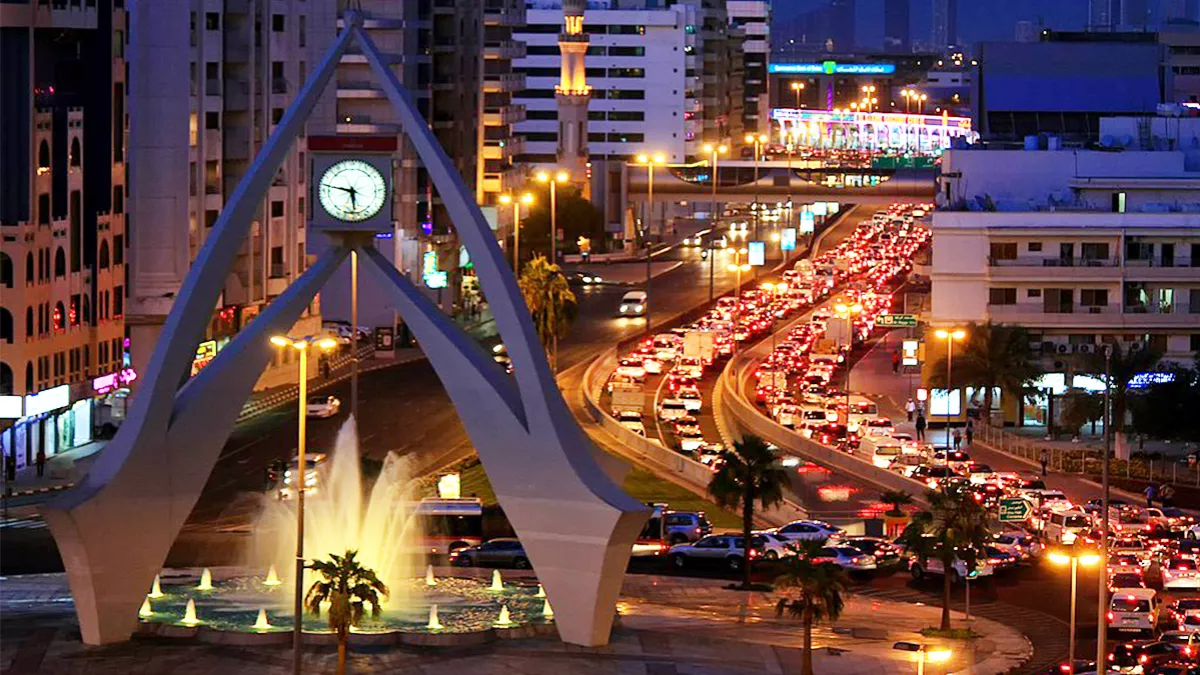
1037 405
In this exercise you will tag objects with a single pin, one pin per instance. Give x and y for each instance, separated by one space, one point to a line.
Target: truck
627 397
700 344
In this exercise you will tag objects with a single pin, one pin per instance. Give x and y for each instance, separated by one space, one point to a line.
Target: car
685 526
322 405
932 475
690 397
933 566
1125 562
632 367
1174 668
848 558
282 479
691 438
633 303
1180 573
772 545
1182 607
672 409
1063 527
501 552
1140 657
1133 613
1120 580
721 550
631 420
884 552
809 530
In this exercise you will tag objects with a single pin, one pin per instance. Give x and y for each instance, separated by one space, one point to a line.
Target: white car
672 409
690 366
932 566
631 420
809 530
847 558
631 367
690 397
322 406
772 545
1180 573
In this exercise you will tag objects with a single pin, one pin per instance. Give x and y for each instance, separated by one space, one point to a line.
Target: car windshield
1076 521
1182 564
1188 604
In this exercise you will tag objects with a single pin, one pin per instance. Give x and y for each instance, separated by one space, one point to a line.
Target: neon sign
111 381
832 68
434 278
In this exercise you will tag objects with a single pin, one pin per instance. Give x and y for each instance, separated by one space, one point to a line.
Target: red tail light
1143 658
1066 667
1110 618
1112 657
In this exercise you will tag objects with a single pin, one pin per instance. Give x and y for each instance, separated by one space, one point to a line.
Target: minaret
573 94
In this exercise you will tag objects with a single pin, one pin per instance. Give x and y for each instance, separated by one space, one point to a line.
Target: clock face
352 191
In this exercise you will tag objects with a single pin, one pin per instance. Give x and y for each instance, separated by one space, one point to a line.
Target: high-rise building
843 15
753 17
62 223
1179 11
1135 14
897 26
1026 31
501 144
1103 15
944 29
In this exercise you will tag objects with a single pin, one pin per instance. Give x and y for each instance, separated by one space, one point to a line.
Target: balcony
504 115
359 90
237 95
1106 317
505 49
363 124
236 144
1162 269
511 82
1035 261
361 59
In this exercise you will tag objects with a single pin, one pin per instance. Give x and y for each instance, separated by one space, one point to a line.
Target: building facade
943 33
897 26
62 223
753 18
1085 248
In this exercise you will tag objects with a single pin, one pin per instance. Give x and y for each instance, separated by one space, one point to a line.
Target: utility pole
1102 578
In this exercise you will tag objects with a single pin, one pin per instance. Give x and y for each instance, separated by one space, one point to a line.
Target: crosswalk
33 523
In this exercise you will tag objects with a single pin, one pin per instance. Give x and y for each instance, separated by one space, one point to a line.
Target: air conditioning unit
1048 346
1136 346
1063 349
1084 349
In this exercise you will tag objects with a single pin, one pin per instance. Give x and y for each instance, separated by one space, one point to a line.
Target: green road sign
896 320
1015 510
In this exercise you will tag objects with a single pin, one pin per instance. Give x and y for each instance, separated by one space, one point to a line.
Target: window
302 30
277 209
118 301
626 138
1058 300
1002 251
627 94
278 83
278 23
60 263
543 114
626 72
29 268
1002 296
1035 246
76 157
212 21
212 120
1194 339
1033 293
300 206
118 199
1118 202
1093 297
626 51
626 116
1138 250
626 30
541 136
44 209
1093 251
103 256
29 322
276 115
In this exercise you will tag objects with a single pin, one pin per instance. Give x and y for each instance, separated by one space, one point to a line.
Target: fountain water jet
429 580
205 580
497 582
262 623
434 623
504 620
272 578
189 616
146 609
156 589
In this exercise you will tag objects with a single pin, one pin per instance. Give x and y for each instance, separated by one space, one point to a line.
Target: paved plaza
668 626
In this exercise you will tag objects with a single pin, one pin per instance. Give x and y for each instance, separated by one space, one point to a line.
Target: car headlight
596 280
624 308
587 280
638 308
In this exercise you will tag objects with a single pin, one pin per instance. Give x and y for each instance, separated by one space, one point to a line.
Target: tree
348 587
1123 366
896 499
954 527
1080 408
751 473
576 217
820 593
1167 409
551 303
992 356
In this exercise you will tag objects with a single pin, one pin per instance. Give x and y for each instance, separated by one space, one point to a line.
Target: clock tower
573 94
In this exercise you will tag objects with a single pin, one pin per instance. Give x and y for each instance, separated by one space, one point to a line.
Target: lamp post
1075 558
507 199
920 99
758 141
301 345
737 266
1102 615
949 336
798 87
924 652
714 151
559 177
649 161
848 311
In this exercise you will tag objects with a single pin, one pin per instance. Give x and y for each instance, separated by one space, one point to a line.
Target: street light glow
1059 558
527 198
280 341
506 199
1089 559
938 655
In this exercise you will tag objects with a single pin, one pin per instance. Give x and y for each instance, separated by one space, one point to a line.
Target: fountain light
156 589
541 592
497 582
262 623
146 610
504 620
547 611
429 580
205 580
272 578
434 623
189 616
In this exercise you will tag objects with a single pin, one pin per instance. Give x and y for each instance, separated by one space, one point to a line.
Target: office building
1136 14
1080 247
1180 12
1103 15
943 32
753 18
897 26
62 224
1027 31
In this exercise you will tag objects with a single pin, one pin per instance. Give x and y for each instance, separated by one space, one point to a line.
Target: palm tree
993 356
896 499
820 593
348 587
551 303
954 527
1123 365
751 473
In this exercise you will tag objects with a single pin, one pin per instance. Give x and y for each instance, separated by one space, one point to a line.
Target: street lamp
921 98
507 199
559 177
301 345
758 141
798 87
649 161
924 653
714 151
848 311
738 266
1074 558
949 336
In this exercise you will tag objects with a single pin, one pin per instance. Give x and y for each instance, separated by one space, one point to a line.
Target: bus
447 525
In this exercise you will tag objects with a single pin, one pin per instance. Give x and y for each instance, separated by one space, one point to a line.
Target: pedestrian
1045 461
970 431
41 462
921 424
10 466
1150 493
910 408
957 439
895 362
1166 495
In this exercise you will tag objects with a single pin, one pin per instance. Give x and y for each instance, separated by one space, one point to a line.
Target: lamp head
763 138
749 138
1089 559
300 345
643 159
708 147
542 177
326 343
722 149
1059 558
938 655
506 199
527 198
941 333
659 159
280 341
562 176
959 334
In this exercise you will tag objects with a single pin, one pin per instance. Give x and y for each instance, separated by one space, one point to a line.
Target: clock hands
353 195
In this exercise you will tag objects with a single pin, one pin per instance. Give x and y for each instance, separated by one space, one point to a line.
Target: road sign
896 321
1015 510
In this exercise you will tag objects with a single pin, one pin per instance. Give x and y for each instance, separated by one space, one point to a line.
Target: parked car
685 526
717 550
809 530
322 405
885 554
847 557
502 552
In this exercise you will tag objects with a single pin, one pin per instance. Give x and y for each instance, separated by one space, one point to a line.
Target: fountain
189 616
541 592
429 580
434 622
156 589
504 620
547 611
205 580
272 578
497 582
146 610
262 623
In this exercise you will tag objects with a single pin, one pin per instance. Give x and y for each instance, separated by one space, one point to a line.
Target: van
862 410
1133 612
881 450
634 303
1062 527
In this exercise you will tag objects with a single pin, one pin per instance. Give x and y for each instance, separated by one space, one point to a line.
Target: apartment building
1080 247
62 224
753 18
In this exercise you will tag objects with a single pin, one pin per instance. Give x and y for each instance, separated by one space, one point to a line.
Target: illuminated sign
111 381
910 348
832 68
757 253
45 401
819 117
1146 379
807 222
787 241
433 277
819 209
10 407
